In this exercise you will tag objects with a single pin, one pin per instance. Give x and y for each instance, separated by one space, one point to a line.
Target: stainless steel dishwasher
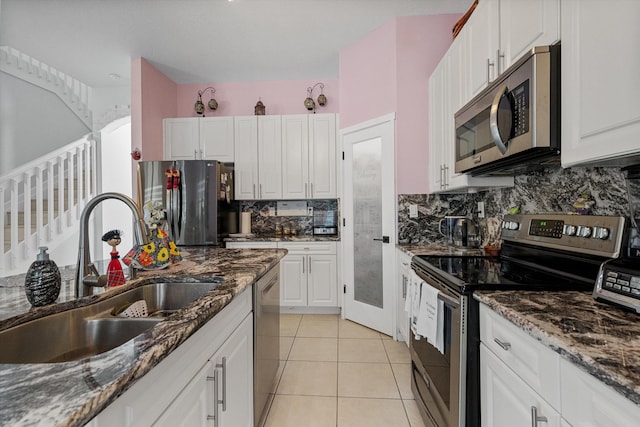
266 341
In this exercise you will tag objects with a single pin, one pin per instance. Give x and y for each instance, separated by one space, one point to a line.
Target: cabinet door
587 402
293 280
525 24
216 138
403 267
506 400
193 405
600 112
234 363
181 139
295 156
270 157
322 285
436 127
246 157
482 32
322 156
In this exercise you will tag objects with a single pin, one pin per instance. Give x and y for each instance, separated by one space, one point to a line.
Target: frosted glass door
367 222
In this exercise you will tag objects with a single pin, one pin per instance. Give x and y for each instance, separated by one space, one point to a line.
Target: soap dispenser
42 282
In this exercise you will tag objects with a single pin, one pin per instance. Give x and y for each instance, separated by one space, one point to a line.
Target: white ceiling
196 41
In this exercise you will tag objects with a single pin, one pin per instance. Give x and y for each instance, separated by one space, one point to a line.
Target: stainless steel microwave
515 121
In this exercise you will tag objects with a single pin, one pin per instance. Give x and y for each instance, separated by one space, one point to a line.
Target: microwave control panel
521 109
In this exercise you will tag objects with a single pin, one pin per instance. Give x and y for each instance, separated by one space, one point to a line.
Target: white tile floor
336 373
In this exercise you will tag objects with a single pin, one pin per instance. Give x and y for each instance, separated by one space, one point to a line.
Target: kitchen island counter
600 339
72 393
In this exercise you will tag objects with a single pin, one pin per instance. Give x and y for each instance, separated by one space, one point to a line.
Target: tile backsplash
263 223
549 190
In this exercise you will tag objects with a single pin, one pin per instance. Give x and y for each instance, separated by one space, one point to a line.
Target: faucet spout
87 275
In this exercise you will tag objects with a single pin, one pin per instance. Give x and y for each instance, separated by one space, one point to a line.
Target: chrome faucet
87 275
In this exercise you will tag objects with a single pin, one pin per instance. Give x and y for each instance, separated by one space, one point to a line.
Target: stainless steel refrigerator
195 195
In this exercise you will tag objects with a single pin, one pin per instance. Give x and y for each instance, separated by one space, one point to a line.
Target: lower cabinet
309 275
403 270
587 402
222 390
210 375
523 381
506 400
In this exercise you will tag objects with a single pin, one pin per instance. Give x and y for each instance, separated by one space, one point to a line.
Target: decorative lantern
259 108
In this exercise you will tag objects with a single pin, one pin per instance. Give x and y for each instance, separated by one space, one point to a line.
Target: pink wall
388 71
368 77
421 43
240 98
153 98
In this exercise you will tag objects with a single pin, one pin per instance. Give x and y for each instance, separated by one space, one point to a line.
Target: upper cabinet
499 32
199 138
600 69
309 156
258 154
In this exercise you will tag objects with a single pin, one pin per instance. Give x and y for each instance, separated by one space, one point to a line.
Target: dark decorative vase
42 283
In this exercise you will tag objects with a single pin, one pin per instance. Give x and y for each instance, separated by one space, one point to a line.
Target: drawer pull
535 418
505 345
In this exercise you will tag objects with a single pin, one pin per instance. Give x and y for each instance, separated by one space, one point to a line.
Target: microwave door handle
499 122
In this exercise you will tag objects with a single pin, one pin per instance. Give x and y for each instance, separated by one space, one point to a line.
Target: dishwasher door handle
268 287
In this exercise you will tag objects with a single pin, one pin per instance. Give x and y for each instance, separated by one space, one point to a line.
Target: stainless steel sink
87 331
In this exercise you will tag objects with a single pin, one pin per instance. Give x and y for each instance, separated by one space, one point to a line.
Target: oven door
436 377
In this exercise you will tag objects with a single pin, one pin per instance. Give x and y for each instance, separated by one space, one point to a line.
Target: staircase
43 200
72 92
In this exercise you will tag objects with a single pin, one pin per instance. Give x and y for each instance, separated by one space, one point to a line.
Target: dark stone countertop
61 394
601 339
436 249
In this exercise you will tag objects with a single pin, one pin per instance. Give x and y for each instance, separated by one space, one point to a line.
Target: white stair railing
72 92
43 200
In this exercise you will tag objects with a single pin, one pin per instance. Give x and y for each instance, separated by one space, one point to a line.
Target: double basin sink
86 331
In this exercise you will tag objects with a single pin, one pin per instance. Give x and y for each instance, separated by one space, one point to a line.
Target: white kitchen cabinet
403 271
501 31
308 274
258 161
588 402
309 156
175 390
506 400
519 377
222 388
234 363
194 404
199 138
446 94
600 69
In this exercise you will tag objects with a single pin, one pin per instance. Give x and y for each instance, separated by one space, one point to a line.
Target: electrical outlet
310 211
413 211
480 209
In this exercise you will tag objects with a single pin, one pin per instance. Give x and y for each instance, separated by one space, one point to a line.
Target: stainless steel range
539 252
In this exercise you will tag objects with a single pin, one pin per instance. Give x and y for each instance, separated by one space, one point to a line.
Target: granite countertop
72 393
273 238
599 338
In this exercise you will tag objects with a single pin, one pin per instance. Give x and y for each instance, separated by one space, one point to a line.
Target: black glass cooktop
471 273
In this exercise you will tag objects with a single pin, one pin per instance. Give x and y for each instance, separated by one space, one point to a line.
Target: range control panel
589 234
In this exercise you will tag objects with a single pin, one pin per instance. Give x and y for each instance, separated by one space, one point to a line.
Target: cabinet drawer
588 402
536 364
309 247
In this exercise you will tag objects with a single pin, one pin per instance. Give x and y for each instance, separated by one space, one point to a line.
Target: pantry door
368 231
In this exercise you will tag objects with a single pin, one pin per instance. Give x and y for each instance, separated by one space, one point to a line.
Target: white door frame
382 320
